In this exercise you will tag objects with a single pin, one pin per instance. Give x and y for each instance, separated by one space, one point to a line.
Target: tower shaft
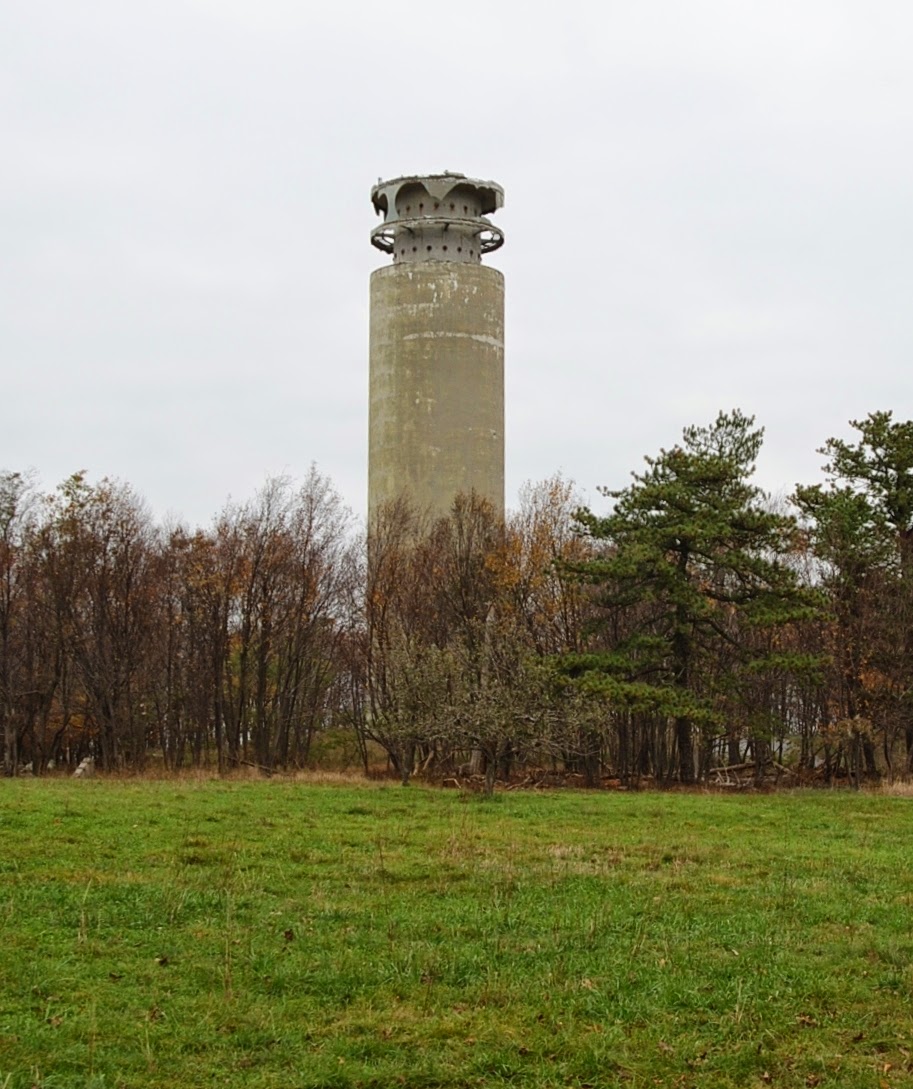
436 347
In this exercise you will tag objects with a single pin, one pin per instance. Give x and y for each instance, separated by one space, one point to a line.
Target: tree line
698 631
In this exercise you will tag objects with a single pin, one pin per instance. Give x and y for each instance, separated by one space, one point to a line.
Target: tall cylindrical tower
437 345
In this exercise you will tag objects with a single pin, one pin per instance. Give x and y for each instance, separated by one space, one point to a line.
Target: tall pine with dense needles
877 473
693 563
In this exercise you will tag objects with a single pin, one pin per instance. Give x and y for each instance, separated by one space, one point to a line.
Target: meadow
295 935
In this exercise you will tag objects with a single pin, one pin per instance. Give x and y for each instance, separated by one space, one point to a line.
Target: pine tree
876 474
693 558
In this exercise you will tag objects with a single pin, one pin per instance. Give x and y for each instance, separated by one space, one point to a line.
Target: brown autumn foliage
258 641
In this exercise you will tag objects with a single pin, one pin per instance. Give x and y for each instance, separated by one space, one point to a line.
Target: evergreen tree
876 474
880 467
851 546
694 558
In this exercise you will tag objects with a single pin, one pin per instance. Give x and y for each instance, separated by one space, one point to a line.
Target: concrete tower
437 345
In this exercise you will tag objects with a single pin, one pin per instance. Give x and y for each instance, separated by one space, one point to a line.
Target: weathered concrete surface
436 384
437 217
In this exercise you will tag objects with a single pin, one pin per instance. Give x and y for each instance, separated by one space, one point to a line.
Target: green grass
288 935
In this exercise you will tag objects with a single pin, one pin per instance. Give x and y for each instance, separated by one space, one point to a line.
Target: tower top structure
437 217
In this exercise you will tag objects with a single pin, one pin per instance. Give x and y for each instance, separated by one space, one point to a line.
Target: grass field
290 935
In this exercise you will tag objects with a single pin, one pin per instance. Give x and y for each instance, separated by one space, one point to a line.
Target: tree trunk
681 655
684 737
491 769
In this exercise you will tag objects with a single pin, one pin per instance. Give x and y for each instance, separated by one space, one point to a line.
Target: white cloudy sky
707 205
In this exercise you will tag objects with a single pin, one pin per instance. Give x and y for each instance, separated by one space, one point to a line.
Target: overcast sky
708 205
